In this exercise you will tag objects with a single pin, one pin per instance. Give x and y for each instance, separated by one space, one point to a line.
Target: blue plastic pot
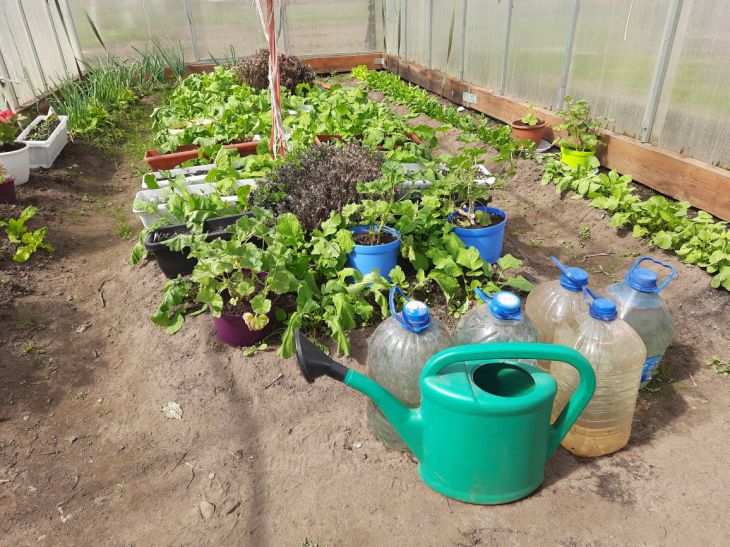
366 258
488 241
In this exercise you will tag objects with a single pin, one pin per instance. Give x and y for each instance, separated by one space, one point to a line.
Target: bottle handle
563 269
671 275
577 402
484 297
391 302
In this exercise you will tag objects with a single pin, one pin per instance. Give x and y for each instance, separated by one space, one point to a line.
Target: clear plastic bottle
499 319
397 352
553 303
616 354
640 305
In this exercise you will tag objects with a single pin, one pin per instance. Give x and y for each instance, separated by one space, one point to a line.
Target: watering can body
482 433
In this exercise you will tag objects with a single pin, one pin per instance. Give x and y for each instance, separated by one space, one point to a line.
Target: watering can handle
524 350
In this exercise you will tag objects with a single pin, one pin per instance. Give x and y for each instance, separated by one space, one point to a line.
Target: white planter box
193 175
17 164
44 153
159 197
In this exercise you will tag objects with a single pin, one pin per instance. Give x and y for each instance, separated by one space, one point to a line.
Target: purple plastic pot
7 191
232 330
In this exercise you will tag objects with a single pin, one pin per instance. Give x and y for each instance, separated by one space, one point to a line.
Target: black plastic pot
174 263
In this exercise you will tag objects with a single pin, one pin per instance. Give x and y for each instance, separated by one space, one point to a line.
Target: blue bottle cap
416 317
505 305
603 309
574 280
643 280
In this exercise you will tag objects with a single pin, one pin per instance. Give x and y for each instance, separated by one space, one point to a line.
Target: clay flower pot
523 131
158 161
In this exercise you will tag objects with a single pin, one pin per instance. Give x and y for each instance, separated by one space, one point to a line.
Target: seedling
530 118
719 366
583 130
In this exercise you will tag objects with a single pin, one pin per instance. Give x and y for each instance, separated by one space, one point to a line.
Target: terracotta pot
158 161
522 131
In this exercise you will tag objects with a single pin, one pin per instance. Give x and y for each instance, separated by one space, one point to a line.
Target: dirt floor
260 457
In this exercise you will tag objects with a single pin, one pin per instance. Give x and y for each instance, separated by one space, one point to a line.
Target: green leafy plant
377 212
530 118
584 131
28 242
466 191
698 239
719 366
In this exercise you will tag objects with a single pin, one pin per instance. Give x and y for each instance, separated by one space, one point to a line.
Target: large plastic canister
617 354
397 352
552 303
499 319
641 306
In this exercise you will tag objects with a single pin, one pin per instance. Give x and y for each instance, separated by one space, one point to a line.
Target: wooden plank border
321 64
701 184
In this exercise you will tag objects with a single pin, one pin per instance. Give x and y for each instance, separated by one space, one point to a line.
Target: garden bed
86 449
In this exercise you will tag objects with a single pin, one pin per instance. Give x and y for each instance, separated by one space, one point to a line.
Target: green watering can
482 433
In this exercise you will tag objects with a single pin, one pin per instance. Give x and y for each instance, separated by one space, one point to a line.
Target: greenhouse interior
364 272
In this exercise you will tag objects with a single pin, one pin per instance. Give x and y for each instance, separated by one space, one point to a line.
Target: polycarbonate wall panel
615 52
535 62
446 36
123 25
486 29
694 109
30 80
224 28
416 31
393 26
333 26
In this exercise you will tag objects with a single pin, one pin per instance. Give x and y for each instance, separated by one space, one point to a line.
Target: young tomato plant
584 131
377 213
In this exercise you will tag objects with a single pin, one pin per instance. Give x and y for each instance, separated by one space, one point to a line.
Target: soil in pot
12 147
44 129
371 238
494 219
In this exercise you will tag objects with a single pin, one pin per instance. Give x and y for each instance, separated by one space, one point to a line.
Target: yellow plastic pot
574 158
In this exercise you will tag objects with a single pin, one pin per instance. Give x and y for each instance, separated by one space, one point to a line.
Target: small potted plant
376 245
237 280
46 136
584 133
7 187
529 127
14 156
476 223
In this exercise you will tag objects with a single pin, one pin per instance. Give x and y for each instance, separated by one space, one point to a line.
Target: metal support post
32 45
660 72
404 10
430 33
70 27
505 57
462 62
568 56
57 39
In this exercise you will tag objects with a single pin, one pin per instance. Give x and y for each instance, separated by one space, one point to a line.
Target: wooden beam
320 64
701 184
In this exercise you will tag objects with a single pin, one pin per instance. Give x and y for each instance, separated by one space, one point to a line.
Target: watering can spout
314 363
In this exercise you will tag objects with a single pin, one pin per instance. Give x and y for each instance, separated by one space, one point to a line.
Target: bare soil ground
260 457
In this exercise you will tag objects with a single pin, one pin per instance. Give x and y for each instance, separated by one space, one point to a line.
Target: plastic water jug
553 303
640 305
499 319
397 352
617 354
